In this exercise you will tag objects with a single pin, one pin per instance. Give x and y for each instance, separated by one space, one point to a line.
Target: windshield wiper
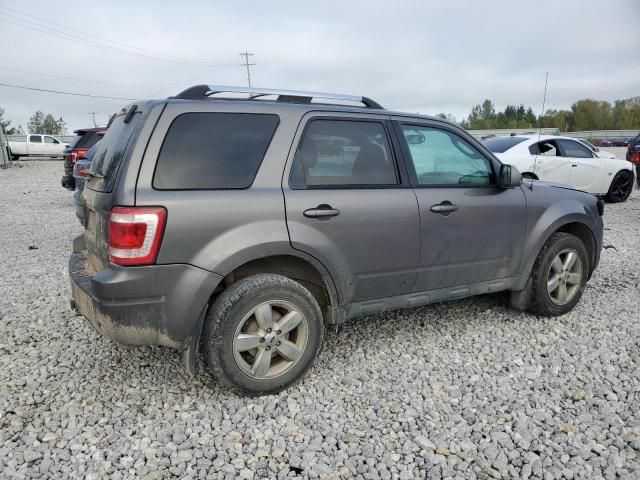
95 174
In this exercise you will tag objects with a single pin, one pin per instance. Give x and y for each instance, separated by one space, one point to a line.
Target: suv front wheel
559 275
262 333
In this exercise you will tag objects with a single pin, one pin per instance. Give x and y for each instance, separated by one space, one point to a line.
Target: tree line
586 114
38 123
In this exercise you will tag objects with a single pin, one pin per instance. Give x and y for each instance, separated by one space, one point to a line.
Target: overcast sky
419 56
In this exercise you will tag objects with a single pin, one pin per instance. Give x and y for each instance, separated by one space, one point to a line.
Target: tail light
81 169
135 234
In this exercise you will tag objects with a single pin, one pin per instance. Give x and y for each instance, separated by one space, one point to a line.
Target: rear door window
343 153
35 138
104 167
207 150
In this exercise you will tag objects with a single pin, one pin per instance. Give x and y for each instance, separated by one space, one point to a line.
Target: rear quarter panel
219 230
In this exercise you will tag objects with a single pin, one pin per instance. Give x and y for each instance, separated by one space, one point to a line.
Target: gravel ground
469 389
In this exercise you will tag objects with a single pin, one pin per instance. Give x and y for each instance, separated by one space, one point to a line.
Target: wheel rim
270 340
565 276
621 187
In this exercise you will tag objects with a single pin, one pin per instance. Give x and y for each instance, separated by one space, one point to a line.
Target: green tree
47 124
6 125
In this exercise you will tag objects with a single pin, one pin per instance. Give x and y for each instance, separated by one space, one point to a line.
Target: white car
565 160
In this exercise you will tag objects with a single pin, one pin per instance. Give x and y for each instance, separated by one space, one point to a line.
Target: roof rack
200 92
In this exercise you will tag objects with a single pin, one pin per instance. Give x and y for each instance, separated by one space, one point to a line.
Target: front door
587 170
471 230
350 206
549 164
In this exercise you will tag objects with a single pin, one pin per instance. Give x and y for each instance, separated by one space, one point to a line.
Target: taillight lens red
81 169
135 234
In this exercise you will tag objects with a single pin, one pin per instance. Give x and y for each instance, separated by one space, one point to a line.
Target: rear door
35 146
587 170
471 230
349 205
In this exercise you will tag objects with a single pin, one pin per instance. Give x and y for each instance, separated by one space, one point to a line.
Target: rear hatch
99 192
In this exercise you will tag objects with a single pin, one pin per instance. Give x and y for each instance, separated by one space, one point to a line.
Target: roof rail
200 92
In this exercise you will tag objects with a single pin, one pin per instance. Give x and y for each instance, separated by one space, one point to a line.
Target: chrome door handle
445 208
322 212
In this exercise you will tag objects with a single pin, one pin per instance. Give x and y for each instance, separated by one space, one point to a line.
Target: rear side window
502 144
110 152
35 139
343 153
205 150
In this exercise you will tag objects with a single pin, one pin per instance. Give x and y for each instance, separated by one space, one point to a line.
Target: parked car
84 140
594 149
80 173
565 160
218 219
633 155
36 145
621 142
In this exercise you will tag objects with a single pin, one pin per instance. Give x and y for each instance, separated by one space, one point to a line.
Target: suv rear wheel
559 275
262 333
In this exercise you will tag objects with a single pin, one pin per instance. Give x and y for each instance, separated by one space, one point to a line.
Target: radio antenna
544 101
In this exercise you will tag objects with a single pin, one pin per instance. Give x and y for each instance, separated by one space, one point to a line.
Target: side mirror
596 149
509 177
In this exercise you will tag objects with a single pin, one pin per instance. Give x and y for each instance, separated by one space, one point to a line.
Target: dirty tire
620 188
541 302
229 310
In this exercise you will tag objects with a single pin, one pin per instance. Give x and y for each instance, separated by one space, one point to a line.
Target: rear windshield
84 140
502 144
213 150
106 161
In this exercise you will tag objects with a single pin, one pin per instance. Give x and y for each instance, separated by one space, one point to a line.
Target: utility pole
246 63
93 114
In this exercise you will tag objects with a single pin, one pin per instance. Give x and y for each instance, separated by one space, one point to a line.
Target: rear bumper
150 305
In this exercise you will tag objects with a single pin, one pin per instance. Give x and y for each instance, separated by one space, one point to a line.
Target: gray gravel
469 389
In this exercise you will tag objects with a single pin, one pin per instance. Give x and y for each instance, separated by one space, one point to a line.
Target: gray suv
248 224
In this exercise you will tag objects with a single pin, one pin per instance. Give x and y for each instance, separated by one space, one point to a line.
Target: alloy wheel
565 276
621 187
270 339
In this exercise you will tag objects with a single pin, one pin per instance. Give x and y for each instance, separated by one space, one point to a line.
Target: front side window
343 153
50 140
35 139
442 158
574 149
204 151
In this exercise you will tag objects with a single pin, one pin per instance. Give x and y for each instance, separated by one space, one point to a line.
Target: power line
45 20
64 93
246 63
40 74
42 27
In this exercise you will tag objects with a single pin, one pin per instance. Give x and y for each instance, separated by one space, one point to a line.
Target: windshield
502 144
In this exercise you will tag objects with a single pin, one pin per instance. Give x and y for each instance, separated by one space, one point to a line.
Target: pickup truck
36 145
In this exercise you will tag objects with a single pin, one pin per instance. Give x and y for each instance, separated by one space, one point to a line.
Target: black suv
248 224
85 139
